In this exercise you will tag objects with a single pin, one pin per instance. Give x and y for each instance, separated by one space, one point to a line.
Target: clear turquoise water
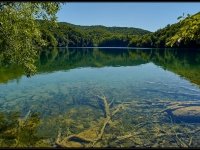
73 76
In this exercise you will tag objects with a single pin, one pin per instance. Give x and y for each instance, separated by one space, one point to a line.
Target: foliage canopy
19 31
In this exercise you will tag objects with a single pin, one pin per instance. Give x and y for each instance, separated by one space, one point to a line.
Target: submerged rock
188 114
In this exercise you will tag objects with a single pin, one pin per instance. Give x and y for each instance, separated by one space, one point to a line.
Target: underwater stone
187 114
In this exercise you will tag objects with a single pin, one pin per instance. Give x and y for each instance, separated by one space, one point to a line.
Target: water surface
64 91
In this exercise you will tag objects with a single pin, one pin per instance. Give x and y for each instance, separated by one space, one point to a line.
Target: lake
104 97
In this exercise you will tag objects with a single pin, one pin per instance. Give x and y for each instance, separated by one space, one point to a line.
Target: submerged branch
81 138
106 106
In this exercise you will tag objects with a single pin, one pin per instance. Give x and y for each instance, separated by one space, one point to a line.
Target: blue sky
150 16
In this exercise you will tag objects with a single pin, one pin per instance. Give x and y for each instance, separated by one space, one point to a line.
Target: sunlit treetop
189 30
19 31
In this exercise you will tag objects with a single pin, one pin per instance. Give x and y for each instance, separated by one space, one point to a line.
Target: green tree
189 30
20 37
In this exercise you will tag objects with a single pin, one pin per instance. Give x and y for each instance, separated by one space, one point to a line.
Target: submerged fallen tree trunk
81 139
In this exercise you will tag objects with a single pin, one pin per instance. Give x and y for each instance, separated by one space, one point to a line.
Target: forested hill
66 34
114 29
184 33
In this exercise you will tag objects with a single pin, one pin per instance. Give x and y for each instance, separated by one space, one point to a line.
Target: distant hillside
67 34
116 30
185 33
